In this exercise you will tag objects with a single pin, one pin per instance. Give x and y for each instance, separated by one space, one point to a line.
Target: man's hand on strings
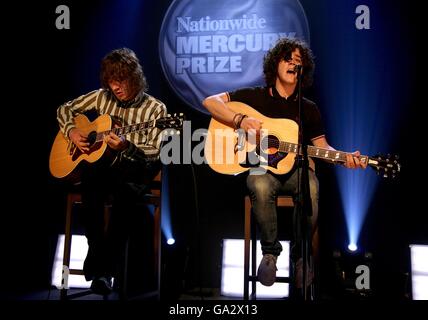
79 139
116 142
251 125
353 161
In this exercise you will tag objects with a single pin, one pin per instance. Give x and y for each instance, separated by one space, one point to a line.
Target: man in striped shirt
136 159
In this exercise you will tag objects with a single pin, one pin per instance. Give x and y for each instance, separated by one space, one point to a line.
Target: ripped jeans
263 191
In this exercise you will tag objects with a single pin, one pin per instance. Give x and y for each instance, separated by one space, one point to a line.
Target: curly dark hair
283 49
122 64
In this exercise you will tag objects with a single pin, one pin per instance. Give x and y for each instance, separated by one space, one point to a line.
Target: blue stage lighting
357 112
352 247
170 241
166 212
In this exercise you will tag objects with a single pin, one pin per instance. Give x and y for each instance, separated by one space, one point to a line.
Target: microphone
298 68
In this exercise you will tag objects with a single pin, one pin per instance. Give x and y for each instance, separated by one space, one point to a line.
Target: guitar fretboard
322 153
127 129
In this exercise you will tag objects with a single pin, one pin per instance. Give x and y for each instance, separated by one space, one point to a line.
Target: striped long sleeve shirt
144 145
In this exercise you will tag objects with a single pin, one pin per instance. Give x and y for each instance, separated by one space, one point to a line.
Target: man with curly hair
278 99
124 176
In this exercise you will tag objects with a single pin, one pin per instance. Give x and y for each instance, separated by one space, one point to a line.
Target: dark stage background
44 67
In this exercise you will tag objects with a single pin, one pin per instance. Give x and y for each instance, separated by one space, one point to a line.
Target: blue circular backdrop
211 46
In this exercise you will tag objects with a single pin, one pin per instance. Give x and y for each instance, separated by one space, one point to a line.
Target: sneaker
101 285
299 274
267 270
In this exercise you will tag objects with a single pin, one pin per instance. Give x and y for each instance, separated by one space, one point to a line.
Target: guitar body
65 157
229 152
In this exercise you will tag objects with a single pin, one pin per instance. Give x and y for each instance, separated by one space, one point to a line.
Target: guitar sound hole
92 137
270 144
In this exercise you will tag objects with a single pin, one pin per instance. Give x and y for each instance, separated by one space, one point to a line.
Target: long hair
282 50
123 64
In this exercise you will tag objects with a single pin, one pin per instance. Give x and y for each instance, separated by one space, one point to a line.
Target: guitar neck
321 153
121 131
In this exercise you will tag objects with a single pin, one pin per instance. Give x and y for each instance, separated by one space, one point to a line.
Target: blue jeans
263 191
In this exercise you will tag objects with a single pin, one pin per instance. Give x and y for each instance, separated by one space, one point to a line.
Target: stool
250 233
74 198
153 198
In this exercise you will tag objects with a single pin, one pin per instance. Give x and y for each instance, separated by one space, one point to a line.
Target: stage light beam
352 247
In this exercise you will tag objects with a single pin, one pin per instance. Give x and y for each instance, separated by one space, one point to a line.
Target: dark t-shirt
276 106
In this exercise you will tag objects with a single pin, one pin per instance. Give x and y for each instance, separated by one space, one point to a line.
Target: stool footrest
278 279
283 279
76 271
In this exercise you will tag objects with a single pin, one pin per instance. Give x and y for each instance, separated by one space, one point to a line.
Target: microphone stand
303 203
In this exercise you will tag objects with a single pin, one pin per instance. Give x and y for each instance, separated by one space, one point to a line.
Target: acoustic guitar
230 151
65 156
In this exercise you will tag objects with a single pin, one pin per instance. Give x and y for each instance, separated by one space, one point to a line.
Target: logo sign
212 46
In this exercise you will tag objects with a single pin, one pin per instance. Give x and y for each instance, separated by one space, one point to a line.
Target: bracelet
240 120
235 123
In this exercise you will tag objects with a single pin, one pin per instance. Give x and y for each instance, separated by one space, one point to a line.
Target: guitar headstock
387 166
171 122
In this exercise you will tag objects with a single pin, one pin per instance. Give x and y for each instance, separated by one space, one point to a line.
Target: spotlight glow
165 212
356 117
352 247
170 241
